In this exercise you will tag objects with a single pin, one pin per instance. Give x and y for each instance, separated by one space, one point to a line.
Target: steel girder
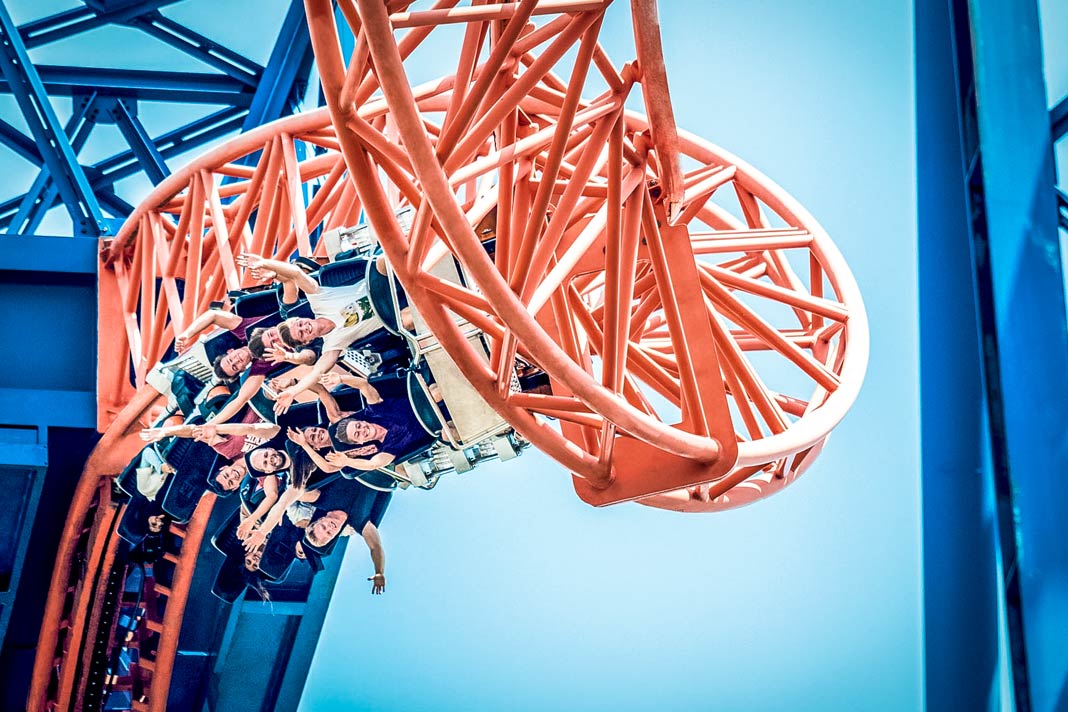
250 95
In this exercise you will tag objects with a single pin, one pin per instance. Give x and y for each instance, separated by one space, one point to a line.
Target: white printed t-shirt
350 310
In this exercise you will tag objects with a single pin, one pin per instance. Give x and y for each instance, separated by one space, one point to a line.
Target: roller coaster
550 267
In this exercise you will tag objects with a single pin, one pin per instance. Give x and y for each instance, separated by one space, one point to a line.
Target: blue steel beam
288 69
116 205
1019 288
20 143
140 142
48 134
177 87
200 47
44 191
124 164
82 19
960 583
173 143
1058 119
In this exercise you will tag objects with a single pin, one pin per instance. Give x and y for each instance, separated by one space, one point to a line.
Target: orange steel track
702 333
617 272
698 325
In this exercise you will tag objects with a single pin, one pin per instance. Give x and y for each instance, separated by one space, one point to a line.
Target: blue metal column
1008 163
959 542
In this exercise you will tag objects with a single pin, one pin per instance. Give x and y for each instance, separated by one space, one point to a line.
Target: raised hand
254 539
276 354
283 401
378 584
244 529
256 266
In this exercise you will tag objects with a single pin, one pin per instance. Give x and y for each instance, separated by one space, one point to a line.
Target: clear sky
507 593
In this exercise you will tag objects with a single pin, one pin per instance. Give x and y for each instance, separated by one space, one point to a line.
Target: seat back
261 303
133 527
182 492
280 551
344 273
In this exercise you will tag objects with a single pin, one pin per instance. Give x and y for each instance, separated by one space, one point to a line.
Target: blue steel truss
249 94
61 106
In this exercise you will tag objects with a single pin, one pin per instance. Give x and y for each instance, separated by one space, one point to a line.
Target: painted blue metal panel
960 579
286 72
1016 252
30 253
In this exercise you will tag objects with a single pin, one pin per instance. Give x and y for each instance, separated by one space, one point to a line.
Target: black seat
250 493
133 527
232 580
375 479
343 273
218 344
182 492
225 538
127 479
300 308
280 552
263 303
367 505
378 289
423 408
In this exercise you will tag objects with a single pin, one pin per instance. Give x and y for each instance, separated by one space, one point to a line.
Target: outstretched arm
300 357
369 392
324 364
273 517
270 496
319 461
378 557
208 431
151 435
234 405
360 463
263 268
212 317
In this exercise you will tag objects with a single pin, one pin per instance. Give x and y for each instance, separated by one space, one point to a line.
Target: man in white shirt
343 316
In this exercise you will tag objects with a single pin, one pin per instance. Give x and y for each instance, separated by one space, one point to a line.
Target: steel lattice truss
664 304
248 93
701 333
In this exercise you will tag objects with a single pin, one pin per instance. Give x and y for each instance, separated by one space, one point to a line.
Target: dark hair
255 342
252 470
338 430
217 367
213 484
319 516
287 336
